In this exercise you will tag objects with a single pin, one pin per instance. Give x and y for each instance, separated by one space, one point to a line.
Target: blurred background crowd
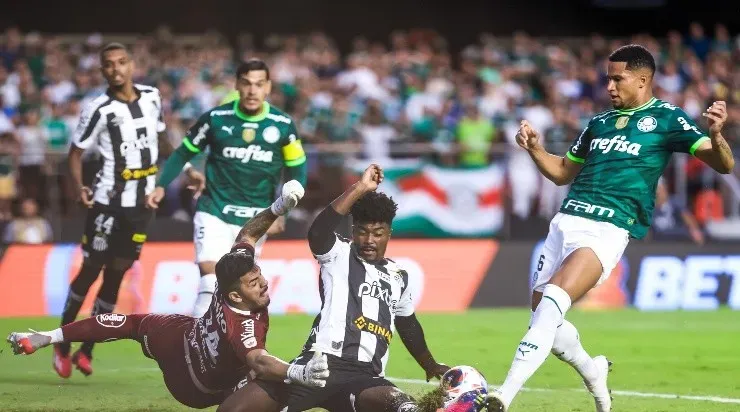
408 98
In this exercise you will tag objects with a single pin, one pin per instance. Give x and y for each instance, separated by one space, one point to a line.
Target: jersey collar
644 106
256 118
239 311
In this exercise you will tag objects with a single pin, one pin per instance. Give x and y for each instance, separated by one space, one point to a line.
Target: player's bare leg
384 399
579 273
206 288
251 398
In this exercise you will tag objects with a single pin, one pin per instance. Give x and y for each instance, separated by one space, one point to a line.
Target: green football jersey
624 153
245 159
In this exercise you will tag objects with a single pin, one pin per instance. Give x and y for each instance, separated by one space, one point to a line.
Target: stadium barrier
448 275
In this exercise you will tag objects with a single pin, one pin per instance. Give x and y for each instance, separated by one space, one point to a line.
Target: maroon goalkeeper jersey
218 343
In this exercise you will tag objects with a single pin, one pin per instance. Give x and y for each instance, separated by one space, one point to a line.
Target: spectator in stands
8 170
672 221
29 227
422 91
475 135
376 135
33 139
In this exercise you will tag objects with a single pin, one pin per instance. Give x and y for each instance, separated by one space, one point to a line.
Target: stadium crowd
406 98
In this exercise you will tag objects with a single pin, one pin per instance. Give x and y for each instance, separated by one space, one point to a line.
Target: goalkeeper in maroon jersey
205 360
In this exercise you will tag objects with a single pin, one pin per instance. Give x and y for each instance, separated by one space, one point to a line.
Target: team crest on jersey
248 135
622 122
647 124
271 134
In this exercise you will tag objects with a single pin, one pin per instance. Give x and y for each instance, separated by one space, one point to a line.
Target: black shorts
347 379
115 231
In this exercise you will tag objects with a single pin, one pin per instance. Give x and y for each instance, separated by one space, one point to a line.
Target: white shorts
214 238
569 233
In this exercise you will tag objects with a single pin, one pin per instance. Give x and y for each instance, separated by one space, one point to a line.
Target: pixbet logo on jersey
245 154
376 290
111 320
143 142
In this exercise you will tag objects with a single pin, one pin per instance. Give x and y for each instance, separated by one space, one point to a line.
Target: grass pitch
678 361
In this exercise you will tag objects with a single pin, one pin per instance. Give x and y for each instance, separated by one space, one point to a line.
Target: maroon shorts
162 338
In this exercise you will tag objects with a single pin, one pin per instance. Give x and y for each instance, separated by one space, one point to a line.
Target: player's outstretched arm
557 169
257 226
268 367
412 336
716 152
321 236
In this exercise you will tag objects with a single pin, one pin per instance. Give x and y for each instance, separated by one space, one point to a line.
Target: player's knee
121 264
89 271
579 272
385 399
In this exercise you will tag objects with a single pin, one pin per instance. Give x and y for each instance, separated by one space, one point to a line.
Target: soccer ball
462 381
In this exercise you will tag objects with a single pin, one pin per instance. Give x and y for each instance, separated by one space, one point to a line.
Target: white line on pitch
715 399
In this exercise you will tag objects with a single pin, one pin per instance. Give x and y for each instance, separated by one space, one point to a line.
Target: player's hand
292 192
152 201
716 115
436 371
314 373
527 138
372 177
86 196
196 182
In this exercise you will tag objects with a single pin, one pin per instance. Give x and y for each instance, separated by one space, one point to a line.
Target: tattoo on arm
722 150
256 227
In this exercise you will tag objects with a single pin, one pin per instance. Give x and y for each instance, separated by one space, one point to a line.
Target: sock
205 295
101 307
69 314
567 347
537 343
76 295
56 335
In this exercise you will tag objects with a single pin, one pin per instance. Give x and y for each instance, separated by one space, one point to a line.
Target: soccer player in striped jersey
124 126
251 143
364 297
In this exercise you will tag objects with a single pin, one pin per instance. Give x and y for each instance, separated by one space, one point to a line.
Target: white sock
537 343
56 335
205 294
567 347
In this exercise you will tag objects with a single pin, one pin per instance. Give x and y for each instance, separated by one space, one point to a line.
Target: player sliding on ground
616 163
364 297
204 360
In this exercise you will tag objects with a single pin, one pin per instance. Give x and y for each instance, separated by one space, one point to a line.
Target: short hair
252 65
112 46
636 57
374 207
233 265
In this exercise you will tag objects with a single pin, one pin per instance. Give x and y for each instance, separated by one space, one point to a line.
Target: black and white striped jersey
126 138
359 305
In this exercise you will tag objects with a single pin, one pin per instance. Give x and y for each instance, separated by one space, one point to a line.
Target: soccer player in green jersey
250 144
614 167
